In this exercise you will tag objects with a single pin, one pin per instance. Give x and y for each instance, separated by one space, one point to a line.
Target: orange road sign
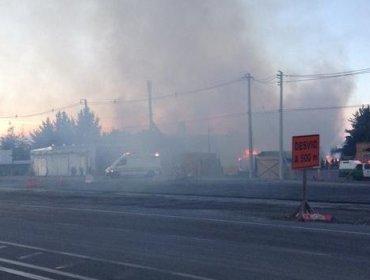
305 151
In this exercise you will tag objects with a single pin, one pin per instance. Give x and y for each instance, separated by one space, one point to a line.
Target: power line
314 77
266 81
291 110
224 84
41 113
130 101
165 96
324 108
359 71
242 114
210 118
223 116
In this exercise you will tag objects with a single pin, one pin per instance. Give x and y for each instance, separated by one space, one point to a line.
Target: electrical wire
314 77
353 72
267 80
165 96
323 108
179 93
41 113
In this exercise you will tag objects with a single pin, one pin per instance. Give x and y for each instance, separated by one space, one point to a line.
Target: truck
354 169
134 164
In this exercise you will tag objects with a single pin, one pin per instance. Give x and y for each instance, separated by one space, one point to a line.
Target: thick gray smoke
105 50
185 45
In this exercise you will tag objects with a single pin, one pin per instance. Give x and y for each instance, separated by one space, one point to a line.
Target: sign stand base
303 211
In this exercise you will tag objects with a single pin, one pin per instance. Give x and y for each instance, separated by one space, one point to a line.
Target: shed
267 165
63 161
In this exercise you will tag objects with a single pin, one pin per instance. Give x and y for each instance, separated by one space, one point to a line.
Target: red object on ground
307 217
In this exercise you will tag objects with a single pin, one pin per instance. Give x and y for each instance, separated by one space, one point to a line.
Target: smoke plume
105 51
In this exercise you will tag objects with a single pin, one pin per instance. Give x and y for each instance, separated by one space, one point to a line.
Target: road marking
3 246
284 226
45 269
126 264
24 274
303 252
68 265
30 255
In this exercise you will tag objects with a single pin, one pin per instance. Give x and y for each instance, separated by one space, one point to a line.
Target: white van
354 169
362 171
135 165
347 167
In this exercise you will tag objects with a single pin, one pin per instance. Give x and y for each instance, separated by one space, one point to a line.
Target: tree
64 129
8 142
17 143
88 128
44 136
360 131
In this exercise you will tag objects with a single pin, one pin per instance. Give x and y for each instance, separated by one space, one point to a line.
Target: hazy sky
55 53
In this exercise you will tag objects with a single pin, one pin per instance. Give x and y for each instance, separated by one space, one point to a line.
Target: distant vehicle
362 171
354 169
130 164
347 166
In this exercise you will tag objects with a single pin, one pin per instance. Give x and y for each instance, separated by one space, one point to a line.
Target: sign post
305 154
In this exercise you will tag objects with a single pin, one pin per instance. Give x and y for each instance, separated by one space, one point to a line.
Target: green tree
88 128
44 136
8 142
360 131
64 129
18 143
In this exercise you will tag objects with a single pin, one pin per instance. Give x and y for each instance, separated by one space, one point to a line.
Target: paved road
66 232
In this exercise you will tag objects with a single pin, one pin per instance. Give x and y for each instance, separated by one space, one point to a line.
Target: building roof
59 150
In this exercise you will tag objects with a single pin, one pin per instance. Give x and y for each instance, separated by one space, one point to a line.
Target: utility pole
149 84
250 142
84 102
281 135
209 140
152 126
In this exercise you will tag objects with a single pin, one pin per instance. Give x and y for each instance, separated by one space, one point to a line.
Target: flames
247 153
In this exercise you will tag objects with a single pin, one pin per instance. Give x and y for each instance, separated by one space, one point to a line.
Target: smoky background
59 52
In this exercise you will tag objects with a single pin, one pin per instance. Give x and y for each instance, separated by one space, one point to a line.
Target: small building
63 161
10 166
267 165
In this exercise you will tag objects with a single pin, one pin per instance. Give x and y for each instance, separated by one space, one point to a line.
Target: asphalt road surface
137 229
